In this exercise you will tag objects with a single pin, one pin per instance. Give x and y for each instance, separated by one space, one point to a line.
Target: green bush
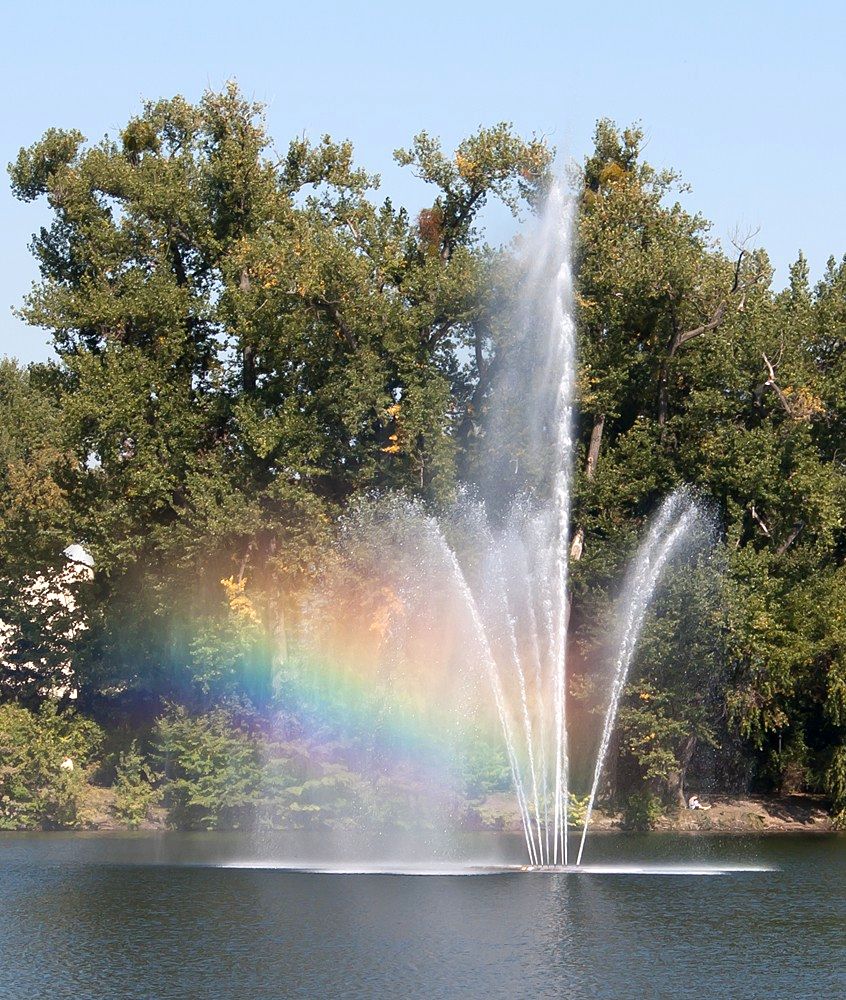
35 790
642 812
788 769
577 810
835 786
134 789
213 771
485 769
331 799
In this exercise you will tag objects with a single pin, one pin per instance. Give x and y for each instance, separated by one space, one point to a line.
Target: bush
485 769
835 786
788 769
642 812
577 810
134 791
214 777
35 790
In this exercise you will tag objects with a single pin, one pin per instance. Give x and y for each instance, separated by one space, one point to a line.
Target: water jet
497 564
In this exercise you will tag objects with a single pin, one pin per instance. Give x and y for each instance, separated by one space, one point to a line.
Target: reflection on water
143 916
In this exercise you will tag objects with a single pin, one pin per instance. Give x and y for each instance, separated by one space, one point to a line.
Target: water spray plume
675 519
484 589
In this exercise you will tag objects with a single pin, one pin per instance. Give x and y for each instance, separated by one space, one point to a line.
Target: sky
745 99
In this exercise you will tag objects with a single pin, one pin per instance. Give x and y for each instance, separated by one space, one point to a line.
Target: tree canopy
248 340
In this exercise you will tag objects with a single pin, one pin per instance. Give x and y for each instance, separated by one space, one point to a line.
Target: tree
39 588
250 342
695 371
246 341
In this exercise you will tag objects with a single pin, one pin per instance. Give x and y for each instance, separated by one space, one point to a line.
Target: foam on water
485 869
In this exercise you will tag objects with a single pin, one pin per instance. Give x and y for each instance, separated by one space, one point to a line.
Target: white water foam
483 869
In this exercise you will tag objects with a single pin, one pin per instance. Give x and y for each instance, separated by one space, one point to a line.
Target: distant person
694 803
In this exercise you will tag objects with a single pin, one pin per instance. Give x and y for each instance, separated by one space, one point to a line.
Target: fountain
493 572
523 614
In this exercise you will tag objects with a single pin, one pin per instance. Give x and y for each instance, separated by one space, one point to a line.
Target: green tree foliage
695 371
35 789
134 787
250 340
246 339
641 811
212 769
33 504
221 770
485 769
835 785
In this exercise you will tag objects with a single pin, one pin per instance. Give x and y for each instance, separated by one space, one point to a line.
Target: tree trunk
248 373
676 779
663 376
578 543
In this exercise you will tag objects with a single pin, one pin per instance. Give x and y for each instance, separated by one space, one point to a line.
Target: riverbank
754 814
747 814
98 811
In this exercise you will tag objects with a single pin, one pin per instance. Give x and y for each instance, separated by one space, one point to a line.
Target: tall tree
246 340
695 371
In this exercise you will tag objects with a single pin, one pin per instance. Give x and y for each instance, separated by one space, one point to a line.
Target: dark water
130 917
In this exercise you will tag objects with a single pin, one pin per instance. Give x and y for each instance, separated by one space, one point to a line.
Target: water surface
154 916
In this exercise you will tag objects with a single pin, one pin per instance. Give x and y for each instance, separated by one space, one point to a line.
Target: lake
151 916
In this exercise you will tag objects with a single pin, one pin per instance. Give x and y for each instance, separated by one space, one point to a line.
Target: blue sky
745 99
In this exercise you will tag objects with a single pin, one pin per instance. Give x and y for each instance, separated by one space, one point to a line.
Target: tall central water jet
528 622
534 395
548 307
564 331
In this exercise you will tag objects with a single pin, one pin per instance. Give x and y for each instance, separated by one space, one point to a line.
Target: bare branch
740 241
331 310
791 538
757 519
713 323
771 381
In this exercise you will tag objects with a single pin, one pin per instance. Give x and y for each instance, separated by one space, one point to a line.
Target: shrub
642 812
331 799
134 791
485 769
577 810
835 785
789 768
35 790
214 777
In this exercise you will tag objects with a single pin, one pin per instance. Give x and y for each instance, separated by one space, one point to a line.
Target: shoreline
747 814
730 815
755 814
